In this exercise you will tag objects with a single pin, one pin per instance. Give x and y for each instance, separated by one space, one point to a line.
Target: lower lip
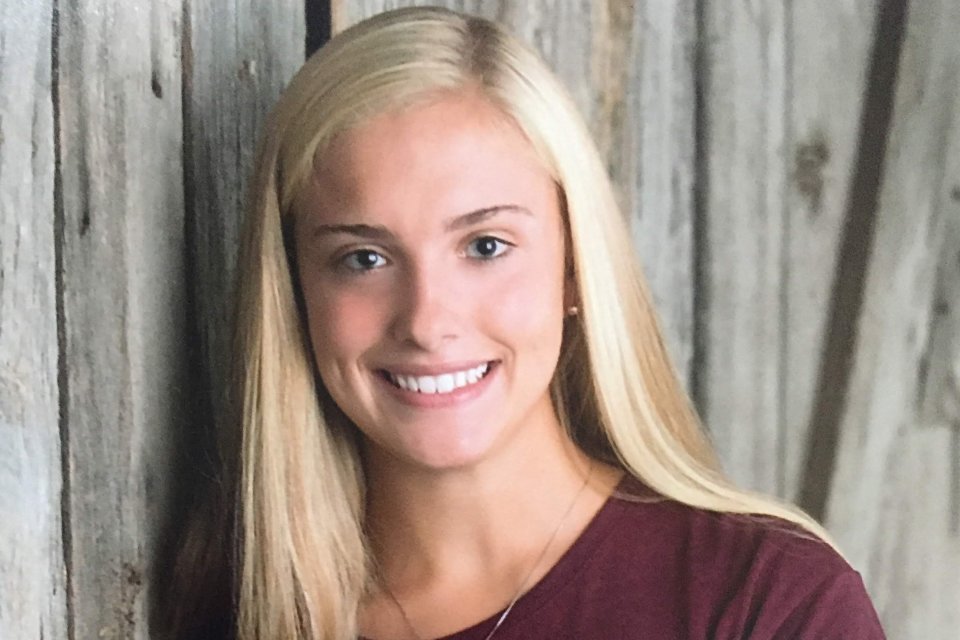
441 400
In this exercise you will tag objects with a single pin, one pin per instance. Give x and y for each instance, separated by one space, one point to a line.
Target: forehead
450 154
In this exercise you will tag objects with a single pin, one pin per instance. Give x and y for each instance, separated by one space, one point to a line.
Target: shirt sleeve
839 610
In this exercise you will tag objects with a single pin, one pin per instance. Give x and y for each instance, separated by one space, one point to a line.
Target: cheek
342 327
531 310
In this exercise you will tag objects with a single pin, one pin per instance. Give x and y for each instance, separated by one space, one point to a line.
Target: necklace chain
523 583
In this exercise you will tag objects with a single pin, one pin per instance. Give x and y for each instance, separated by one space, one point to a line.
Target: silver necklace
523 583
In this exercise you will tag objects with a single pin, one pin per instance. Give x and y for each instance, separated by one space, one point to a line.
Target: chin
433 451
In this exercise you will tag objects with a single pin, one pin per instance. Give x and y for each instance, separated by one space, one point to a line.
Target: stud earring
572 310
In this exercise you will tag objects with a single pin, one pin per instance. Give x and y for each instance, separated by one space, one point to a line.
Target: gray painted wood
238 57
932 513
894 484
33 601
829 54
741 242
123 299
653 158
629 67
938 386
914 565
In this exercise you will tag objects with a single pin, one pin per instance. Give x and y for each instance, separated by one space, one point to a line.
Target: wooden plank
33 602
915 563
938 388
829 52
928 521
915 566
902 538
652 157
238 56
629 67
934 563
123 299
741 242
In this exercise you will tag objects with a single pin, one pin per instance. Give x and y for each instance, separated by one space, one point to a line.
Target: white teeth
444 383
427 384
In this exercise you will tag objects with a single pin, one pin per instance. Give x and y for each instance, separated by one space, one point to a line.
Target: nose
428 308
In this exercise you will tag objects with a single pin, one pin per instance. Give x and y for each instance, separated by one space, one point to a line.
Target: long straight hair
302 562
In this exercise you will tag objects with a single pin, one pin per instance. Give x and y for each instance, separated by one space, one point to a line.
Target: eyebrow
368 231
380 232
478 216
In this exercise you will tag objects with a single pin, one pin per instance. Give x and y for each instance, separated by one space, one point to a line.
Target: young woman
458 418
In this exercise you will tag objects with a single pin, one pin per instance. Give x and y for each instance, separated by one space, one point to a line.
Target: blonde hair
302 566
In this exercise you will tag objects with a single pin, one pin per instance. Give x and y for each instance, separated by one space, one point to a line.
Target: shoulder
734 576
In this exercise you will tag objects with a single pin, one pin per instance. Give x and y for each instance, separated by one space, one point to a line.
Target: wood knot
941 307
132 575
808 164
131 578
155 85
248 70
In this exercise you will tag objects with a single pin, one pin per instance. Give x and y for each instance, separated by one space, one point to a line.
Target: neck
434 526
454 546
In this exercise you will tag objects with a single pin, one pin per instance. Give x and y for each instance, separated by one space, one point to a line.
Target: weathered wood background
791 171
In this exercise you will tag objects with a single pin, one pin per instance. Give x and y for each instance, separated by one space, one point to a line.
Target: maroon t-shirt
660 570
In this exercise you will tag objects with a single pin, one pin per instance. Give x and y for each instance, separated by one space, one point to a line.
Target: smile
440 384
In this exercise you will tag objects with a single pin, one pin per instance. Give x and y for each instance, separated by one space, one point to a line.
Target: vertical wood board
876 505
934 579
938 385
33 601
238 58
914 576
742 238
123 284
914 558
651 154
829 51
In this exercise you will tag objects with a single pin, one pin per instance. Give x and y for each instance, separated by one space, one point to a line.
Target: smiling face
430 249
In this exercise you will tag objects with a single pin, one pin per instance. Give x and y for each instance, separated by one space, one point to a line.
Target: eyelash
504 248
343 262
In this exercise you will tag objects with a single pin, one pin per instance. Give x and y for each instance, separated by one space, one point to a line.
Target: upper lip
410 369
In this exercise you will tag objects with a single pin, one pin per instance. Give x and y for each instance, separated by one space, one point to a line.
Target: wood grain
924 543
124 308
938 383
891 490
629 67
33 602
652 158
155 107
238 57
741 237
828 58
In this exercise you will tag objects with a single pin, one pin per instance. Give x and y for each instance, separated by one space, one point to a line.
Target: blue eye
363 260
487 248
